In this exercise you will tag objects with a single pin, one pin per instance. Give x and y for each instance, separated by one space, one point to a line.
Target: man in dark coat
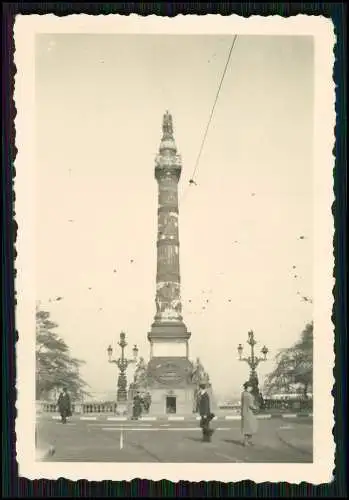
137 406
64 405
205 413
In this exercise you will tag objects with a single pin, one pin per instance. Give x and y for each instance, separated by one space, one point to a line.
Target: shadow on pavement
234 441
197 439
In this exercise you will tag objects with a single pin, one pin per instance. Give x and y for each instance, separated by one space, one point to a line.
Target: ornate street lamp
122 363
253 360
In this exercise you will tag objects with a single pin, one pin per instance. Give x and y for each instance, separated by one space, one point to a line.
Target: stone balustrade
78 407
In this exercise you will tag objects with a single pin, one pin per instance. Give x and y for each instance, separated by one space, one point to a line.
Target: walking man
205 413
64 405
248 418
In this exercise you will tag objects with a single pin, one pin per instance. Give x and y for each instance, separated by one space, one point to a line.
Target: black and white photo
173 192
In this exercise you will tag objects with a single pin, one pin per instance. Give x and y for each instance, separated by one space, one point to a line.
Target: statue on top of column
167 125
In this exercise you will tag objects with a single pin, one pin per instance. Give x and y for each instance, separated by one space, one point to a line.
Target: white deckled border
25 28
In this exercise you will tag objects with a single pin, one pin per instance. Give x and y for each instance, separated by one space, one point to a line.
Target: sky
100 100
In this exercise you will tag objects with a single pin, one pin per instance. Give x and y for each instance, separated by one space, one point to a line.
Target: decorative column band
168 276
167 242
168 208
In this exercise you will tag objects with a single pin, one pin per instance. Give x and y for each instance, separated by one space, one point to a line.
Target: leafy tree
294 366
55 367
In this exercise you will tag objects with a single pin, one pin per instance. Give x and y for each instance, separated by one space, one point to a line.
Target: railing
284 405
229 407
278 405
98 407
302 405
49 407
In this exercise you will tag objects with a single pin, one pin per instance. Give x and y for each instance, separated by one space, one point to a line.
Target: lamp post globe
265 351
110 352
135 351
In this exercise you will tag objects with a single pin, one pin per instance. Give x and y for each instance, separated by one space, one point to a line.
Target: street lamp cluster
253 360
122 363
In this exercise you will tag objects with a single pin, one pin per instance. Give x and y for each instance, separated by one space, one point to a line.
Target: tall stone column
168 327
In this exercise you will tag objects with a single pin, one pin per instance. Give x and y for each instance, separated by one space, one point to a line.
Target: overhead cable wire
212 110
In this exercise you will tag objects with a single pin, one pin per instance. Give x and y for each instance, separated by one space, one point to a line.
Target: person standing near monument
146 402
205 413
248 418
137 406
64 405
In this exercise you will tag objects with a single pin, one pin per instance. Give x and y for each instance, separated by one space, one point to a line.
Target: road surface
277 441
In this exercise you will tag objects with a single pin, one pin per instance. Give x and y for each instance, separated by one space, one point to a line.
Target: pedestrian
248 417
137 406
64 405
205 413
146 402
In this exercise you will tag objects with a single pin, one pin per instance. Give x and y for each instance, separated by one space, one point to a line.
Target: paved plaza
278 441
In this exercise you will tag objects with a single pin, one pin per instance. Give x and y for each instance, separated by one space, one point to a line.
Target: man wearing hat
205 413
64 405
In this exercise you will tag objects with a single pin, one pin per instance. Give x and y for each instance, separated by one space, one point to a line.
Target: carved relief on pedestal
170 373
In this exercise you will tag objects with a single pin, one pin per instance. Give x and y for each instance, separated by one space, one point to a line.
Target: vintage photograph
175 187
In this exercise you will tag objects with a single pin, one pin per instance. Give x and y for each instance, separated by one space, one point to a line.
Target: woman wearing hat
248 418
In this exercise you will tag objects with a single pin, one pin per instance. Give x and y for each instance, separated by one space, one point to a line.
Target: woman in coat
248 418
64 405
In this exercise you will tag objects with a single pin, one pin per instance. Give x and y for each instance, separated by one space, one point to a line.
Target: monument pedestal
171 402
170 387
169 339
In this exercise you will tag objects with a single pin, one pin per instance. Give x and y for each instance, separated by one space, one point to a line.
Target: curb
173 419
